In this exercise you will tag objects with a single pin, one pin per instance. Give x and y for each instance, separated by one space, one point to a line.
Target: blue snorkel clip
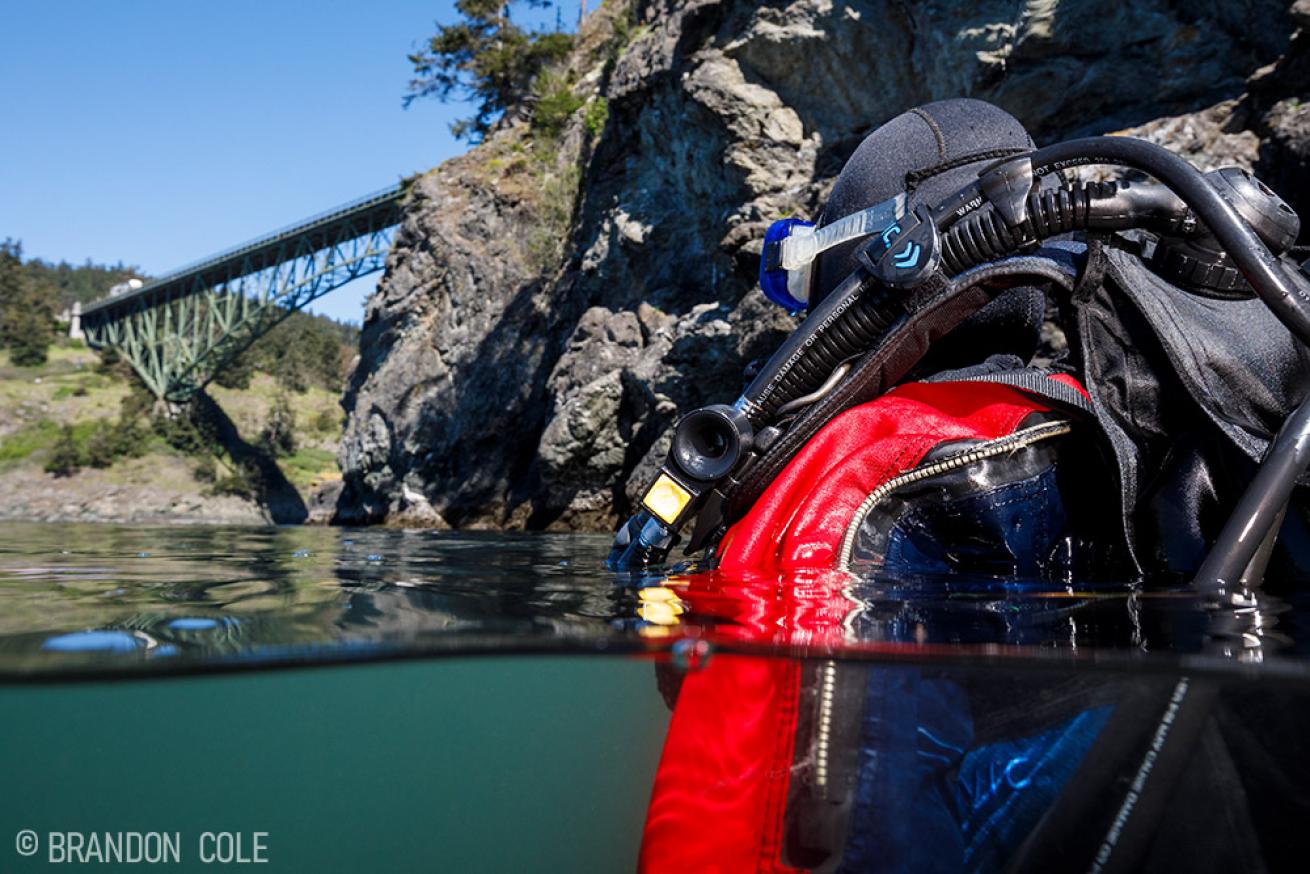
791 245
786 288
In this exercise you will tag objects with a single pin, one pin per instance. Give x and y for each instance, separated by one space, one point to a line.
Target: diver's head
928 154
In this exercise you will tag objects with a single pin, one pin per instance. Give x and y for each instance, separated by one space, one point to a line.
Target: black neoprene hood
929 152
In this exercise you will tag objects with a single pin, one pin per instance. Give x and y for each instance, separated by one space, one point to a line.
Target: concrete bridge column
75 322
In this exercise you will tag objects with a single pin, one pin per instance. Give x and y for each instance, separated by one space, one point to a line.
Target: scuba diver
921 424
909 424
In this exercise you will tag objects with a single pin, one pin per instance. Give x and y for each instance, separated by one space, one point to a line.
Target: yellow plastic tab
666 499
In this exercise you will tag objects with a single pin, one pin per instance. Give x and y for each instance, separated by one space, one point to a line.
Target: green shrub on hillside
279 435
239 483
31 348
326 422
182 432
65 456
206 470
100 449
70 391
598 112
553 104
112 440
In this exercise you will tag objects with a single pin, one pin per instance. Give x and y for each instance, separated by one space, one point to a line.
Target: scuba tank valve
1200 264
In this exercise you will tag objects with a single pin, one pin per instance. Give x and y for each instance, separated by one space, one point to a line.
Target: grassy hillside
132 462
81 438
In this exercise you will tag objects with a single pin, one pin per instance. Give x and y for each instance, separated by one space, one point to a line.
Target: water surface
403 700
96 600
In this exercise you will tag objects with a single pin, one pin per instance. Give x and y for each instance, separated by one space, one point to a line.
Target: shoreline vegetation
82 439
557 296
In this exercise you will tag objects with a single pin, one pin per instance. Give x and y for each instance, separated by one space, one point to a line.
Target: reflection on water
170 595
819 723
101 598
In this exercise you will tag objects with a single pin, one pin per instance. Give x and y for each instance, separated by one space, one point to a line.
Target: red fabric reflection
804 609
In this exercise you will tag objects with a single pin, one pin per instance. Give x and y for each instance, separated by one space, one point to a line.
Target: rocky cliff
553 303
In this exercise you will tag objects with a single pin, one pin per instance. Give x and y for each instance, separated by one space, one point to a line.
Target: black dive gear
927 272
1236 561
1198 263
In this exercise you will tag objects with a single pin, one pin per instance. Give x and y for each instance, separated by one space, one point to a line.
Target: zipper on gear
823 731
1000 446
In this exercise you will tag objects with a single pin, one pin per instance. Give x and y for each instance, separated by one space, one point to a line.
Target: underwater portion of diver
779 765
912 425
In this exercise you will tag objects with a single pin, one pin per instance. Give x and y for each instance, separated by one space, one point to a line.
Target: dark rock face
505 380
449 371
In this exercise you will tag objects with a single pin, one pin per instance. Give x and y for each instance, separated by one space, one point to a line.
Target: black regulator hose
1005 211
857 311
984 235
1261 268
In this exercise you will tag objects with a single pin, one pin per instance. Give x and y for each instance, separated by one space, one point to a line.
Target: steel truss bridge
180 330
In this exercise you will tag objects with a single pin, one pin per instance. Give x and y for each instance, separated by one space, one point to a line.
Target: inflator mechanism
1216 234
707 446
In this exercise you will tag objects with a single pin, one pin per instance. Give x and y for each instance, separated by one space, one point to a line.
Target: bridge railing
361 204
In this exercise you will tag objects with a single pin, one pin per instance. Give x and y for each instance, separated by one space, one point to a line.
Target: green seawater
331 689
454 764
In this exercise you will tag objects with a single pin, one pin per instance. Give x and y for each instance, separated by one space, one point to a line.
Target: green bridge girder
180 330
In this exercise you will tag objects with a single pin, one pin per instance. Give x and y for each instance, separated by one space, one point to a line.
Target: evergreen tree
100 446
484 58
27 325
279 435
11 288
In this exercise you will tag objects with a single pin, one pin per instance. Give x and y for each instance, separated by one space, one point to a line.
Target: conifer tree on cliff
26 315
485 58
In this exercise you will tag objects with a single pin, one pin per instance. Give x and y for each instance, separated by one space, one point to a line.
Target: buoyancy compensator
905 421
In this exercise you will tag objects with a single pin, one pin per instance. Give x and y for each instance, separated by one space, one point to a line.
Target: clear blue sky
156 132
